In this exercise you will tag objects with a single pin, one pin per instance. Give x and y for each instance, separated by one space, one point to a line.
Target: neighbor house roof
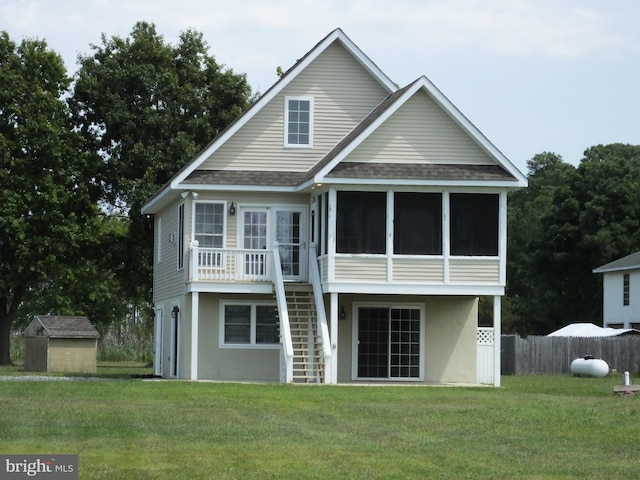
56 326
591 330
630 262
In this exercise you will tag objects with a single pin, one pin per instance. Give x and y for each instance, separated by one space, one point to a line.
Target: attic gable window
298 122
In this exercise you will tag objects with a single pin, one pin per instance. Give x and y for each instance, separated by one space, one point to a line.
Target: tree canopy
47 196
146 108
79 157
569 221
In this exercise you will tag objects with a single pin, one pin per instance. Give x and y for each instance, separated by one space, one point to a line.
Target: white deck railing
323 328
286 353
230 265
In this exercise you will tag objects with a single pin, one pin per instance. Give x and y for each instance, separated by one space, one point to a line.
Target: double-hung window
249 324
298 122
626 288
209 224
208 231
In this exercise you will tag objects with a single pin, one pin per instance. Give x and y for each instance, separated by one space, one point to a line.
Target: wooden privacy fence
541 354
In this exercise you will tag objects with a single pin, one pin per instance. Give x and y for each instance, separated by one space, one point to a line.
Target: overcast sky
532 75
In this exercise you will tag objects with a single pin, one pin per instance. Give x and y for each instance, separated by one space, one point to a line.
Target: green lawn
534 427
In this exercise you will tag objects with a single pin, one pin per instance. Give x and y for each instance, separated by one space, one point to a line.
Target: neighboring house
340 231
621 292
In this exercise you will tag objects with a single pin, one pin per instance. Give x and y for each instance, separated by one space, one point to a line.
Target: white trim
181 250
334 319
159 341
195 321
159 240
252 345
497 321
287 99
354 337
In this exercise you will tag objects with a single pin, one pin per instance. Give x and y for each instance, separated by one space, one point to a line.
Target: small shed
61 344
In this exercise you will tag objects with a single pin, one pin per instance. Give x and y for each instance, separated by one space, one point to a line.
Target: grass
534 427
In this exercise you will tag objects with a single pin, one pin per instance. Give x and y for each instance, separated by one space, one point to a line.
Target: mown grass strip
534 427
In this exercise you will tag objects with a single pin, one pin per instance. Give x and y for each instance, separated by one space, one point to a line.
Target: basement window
249 324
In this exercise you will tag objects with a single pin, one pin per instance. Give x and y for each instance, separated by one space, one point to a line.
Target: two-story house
340 231
621 292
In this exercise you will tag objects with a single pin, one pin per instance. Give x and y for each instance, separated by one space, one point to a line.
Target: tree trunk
6 320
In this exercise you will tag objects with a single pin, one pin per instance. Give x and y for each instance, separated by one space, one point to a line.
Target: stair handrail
283 313
323 328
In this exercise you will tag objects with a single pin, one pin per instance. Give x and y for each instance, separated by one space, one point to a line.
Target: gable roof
630 262
331 168
335 36
329 164
56 326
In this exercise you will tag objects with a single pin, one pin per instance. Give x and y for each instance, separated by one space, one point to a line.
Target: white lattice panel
485 336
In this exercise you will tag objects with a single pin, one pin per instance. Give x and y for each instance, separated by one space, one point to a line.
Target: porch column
497 331
195 320
333 315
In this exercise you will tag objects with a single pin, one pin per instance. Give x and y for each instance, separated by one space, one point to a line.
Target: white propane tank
589 367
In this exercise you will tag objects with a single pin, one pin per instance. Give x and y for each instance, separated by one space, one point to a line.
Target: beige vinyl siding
370 269
474 271
344 93
168 281
418 270
420 131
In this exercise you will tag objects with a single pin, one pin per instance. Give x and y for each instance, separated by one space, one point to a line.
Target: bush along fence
553 355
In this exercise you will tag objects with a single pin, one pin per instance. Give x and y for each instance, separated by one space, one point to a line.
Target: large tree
569 221
46 199
147 107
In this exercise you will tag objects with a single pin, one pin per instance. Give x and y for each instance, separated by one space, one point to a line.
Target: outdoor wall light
232 209
343 313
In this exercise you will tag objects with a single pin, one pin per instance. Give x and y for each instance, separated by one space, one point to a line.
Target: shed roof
60 326
630 262
590 330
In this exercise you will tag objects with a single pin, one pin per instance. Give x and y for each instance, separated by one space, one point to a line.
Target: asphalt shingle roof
625 263
67 326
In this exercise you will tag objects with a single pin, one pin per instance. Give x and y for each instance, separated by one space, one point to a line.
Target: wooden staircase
308 359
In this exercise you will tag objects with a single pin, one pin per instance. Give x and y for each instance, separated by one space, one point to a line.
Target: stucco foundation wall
450 336
72 355
451 340
232 363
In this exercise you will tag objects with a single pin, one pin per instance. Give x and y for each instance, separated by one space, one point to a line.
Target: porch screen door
289 234
255 238
388 343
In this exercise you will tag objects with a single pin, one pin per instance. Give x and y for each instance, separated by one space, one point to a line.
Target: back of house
340 231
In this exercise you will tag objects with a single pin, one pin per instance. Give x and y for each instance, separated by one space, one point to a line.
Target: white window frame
390 306
159 239
252 342
286 122
181 249
224 220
